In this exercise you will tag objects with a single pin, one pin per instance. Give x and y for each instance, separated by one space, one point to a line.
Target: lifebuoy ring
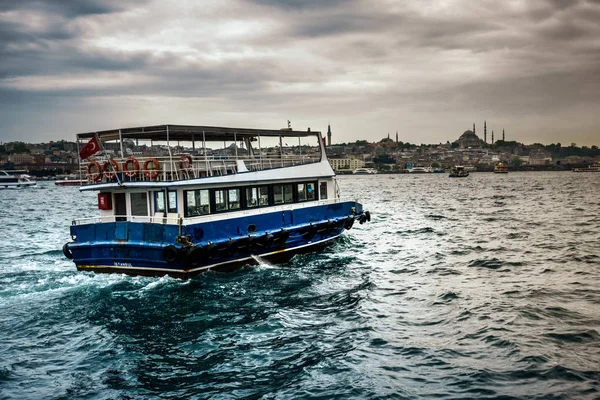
186 162
170 253
96 174
134 169
152 173
67 251
110 173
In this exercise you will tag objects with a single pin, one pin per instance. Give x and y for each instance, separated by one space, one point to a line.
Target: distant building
346 163
469 139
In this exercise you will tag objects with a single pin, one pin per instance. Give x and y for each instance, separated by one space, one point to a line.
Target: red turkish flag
90 148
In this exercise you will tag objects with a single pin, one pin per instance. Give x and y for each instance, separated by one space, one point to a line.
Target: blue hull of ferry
141 248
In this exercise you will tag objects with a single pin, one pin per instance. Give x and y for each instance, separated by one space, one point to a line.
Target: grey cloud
67 8
296 5
539 60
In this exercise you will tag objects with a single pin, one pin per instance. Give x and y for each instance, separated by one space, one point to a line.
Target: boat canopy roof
191 132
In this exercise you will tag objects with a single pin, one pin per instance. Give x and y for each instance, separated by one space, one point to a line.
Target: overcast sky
428 69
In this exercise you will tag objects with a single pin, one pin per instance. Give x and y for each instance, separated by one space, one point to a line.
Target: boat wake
261 262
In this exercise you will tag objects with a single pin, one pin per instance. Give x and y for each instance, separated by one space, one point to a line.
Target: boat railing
175 219
183 167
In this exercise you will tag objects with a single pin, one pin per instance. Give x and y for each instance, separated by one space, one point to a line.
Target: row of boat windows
209 201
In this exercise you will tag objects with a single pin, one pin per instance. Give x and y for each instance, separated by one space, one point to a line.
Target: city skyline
424 69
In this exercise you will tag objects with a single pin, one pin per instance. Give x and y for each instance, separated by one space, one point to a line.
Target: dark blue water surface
484 287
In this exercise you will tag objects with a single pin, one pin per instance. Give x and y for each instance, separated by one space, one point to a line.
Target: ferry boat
420 170
458 171
591 168
205 198
70 181
364 171
501 168
15 179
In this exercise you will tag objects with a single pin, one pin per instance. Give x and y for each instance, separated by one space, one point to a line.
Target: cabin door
120 207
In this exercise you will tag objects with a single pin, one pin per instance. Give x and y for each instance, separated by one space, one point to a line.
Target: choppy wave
476 288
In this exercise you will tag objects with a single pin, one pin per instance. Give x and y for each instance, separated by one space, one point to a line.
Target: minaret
328 135
388 135
485 131
503 135
473 127
396 137
492 137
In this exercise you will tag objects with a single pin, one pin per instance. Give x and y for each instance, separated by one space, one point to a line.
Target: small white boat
364 171
70 181
591 168
15 179
420 170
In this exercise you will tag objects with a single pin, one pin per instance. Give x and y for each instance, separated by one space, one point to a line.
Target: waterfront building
346 163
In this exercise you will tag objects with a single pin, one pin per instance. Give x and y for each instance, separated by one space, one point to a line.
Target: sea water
482 287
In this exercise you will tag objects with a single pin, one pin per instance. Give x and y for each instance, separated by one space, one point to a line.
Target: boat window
227 199
159 202
120 207
306 191
263 195
310 191
172 201
197 202
278 194
234 199
323 190
257 196
283 193
220 200
251 197
301 192
288 193
139 204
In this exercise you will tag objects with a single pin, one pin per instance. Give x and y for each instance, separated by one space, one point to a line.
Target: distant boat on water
458 171
364 171
420 170
70 181
15 179
591 168
501 168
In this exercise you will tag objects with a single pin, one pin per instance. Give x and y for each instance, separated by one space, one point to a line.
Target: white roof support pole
170 159
121 142
208 171
235 142
281 149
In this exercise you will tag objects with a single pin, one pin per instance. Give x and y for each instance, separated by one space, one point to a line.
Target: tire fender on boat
67 251
170 253
308 232
349 223
194 256
281 237
267 240
230 247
